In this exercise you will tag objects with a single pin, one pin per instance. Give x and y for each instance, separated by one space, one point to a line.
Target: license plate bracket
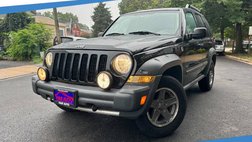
65 97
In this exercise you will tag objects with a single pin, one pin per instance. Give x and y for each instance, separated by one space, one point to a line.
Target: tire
66 109
206 83
153 129
222 53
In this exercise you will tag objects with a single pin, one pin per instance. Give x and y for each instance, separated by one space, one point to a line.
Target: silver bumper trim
104 112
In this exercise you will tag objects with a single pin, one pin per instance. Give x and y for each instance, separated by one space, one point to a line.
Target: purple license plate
65 98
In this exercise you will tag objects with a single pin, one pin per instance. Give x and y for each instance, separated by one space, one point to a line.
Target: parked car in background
246 45
65 39
220 47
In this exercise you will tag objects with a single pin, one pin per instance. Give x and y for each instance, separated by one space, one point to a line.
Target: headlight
122 64
49 59
104 80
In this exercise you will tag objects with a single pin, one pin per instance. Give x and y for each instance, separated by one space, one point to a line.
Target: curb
11 72
239 59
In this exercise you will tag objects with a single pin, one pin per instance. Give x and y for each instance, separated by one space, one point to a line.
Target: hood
131 43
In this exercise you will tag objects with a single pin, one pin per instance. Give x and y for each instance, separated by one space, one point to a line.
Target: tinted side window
207 26
199 21
190 22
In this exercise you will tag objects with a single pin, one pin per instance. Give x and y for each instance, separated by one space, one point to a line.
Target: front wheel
167 109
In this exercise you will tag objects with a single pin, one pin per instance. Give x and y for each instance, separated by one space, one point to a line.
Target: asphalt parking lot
226 111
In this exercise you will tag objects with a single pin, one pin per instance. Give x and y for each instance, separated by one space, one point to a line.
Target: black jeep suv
139 68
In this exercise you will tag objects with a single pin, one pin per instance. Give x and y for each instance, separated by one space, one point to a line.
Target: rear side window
207 26
199 21
190 22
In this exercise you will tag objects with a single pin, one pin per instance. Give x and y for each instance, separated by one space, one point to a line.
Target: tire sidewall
146 126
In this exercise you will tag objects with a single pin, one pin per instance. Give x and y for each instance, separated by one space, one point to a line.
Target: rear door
206 43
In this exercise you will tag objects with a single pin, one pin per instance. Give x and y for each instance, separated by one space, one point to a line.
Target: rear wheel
222 53
167 109
206 83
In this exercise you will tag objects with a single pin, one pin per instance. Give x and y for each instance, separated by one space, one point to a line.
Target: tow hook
94 108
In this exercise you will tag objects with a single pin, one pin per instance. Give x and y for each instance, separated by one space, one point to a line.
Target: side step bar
193 82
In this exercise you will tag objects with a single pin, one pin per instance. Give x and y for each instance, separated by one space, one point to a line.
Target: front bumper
219 49
124 102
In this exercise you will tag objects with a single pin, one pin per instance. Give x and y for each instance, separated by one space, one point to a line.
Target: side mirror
100 34
199 33
55 41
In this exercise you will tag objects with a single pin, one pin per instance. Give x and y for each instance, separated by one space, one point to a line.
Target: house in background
49 23
74 29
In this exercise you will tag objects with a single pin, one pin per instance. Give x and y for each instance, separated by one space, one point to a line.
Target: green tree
15 21
101 18
237 11
126 6
83 26
218 19
28 42
63 17
66 18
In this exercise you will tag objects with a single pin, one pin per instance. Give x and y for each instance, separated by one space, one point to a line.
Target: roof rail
192 7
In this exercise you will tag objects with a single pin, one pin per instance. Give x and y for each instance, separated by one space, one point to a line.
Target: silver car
219 47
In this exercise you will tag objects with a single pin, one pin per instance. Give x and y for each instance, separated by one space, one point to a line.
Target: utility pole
56 21
250 36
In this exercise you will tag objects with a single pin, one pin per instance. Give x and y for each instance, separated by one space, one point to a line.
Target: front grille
78 67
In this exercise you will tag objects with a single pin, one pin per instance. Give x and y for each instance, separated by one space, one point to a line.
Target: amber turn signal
143 100
141 79
43 74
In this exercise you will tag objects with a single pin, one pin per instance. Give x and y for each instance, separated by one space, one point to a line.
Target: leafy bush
2 54
28 42
37 60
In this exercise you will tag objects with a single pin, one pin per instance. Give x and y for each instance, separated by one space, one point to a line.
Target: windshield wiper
114 34
144 33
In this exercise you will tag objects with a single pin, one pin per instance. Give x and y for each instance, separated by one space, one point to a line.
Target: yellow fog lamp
43 74
104 80
141 79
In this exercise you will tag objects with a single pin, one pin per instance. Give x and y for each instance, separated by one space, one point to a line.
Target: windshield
157 22
218 42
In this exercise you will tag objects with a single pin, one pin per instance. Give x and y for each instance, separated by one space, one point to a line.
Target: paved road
223 112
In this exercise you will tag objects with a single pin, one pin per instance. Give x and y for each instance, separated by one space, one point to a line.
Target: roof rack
192 7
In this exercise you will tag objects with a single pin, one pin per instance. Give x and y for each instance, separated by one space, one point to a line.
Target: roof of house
46 20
